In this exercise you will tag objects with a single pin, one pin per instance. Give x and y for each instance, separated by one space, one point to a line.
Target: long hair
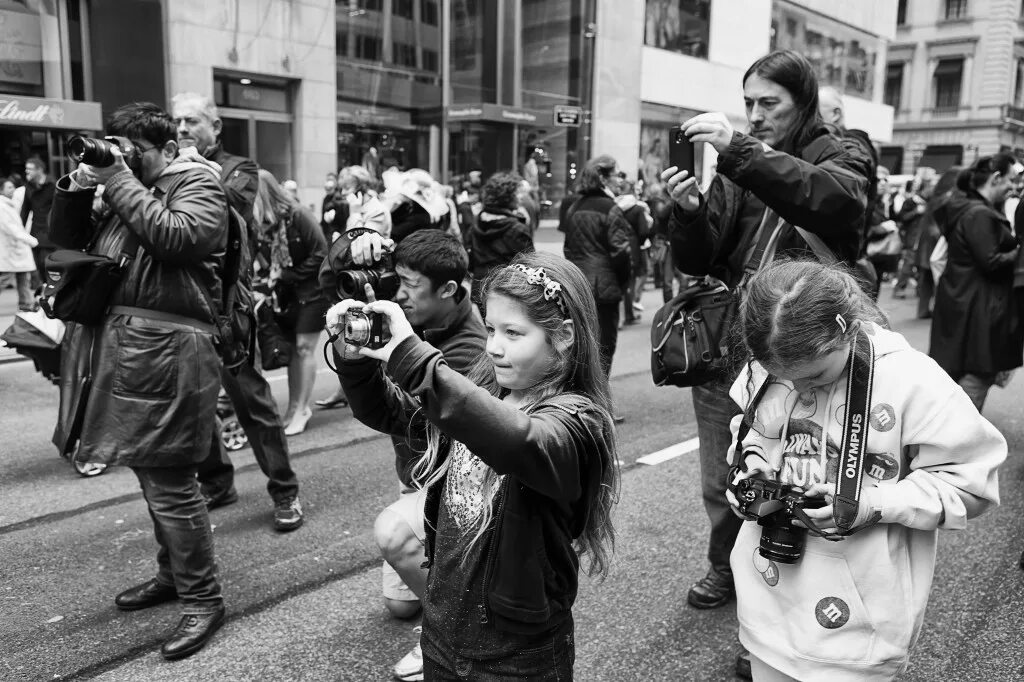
792 71
576 369
272 202
790 313
977 174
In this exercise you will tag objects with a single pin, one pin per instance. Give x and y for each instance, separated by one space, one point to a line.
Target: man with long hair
788 170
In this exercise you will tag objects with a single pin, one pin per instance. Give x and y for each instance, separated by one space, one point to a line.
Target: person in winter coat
929 234
975 334
597 241
140 390
847 610
500 232
638 215
16 246
296 249
789 167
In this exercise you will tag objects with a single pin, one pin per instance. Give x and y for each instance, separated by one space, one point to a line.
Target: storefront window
843 57
257 121
30 48
679 25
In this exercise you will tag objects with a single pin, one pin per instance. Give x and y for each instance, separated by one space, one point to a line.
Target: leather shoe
221 499
711 591
149 593
192 634
743 665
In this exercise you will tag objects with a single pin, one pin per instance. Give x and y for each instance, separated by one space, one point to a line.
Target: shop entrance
17 145
264 138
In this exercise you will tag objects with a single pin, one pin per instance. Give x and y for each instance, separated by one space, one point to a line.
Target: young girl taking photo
520 467
900 429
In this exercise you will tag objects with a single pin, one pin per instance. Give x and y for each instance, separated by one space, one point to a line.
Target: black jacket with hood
496 237
597 242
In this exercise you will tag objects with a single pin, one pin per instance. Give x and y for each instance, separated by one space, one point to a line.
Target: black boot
149 593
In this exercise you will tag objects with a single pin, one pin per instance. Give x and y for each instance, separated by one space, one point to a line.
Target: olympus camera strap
855 436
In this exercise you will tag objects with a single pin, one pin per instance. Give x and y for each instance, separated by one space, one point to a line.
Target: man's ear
566 336
170 149
449 289
217 126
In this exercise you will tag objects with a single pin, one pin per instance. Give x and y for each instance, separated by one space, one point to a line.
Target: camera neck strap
861 364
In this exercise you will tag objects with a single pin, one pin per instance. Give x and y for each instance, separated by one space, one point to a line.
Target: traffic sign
568 116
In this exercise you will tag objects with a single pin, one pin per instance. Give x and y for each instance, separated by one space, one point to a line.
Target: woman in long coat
974 332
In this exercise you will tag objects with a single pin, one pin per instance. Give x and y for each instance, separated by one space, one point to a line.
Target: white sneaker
637 306
410 668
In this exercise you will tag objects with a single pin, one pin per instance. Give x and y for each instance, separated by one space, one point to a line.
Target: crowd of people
493 377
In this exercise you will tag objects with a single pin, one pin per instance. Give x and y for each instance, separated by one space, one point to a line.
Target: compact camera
96 152
771 504
364 329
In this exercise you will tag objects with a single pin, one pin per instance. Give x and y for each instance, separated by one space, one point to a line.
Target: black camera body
96 152
771 504
381 276
364 329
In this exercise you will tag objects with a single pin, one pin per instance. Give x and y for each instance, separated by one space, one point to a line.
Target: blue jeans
257 414
714 409
550 661
181 525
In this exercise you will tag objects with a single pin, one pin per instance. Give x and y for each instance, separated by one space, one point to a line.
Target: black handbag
691 334
80 285
275 348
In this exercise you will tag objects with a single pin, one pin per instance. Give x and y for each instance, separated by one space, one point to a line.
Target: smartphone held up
681 152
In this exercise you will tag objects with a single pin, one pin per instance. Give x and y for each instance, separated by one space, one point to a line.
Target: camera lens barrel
91 151
782 543
357 328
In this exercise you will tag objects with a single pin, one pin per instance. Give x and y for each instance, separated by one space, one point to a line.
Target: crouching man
140 388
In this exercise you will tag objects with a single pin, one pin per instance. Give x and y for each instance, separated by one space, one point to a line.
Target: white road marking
283 376
671 452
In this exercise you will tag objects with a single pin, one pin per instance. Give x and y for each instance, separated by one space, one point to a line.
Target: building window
893 85
371 5
430 60
402 8
341 43
404 54
679 25
956 9
1018 84
428 12
368 47
901 13
947 80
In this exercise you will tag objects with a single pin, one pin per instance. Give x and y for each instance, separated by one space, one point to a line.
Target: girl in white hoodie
847 610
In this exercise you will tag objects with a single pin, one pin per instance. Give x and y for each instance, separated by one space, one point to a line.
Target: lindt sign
11 110
36 112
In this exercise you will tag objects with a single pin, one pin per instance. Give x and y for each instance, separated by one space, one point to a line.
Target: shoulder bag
690 335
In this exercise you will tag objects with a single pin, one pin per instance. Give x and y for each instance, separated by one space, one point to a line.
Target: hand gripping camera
774 506
96 152
363 328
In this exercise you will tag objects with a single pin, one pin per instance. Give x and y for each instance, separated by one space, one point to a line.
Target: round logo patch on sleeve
832 613
883 417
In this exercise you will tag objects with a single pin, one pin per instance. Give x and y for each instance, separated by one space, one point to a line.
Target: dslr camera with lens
772 505
96 152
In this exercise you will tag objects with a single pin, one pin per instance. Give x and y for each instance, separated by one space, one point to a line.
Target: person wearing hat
419 203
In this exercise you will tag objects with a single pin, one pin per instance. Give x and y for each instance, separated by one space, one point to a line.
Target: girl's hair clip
552 289
841 321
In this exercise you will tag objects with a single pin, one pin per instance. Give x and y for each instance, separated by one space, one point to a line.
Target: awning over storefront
497 113
60 114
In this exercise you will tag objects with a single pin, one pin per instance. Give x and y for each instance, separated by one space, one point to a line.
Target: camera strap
855 437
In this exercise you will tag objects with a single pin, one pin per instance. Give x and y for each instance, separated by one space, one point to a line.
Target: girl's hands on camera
757 467
823 519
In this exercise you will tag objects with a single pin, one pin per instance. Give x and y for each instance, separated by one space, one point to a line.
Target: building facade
691 56
955 76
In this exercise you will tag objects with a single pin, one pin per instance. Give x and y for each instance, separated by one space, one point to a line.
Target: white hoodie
852 610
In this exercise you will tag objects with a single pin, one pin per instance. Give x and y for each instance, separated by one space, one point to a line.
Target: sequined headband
552 289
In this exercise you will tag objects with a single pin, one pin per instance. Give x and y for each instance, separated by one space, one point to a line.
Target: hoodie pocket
827 619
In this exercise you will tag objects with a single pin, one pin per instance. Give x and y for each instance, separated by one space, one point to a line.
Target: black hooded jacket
496 237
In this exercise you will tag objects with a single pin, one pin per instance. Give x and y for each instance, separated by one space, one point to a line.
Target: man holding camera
788 167
199 126
140 389
431 266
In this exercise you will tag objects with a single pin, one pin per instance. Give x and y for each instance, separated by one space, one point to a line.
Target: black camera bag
275 348
80 285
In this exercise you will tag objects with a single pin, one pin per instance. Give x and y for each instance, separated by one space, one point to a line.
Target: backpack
235 321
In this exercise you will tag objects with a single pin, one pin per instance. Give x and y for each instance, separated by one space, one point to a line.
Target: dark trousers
925 292
257 413
39 254
181 525
714 410
607 332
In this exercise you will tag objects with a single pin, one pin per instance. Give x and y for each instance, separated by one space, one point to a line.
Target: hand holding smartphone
681 151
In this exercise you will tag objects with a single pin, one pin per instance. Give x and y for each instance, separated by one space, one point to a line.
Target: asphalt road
306 605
